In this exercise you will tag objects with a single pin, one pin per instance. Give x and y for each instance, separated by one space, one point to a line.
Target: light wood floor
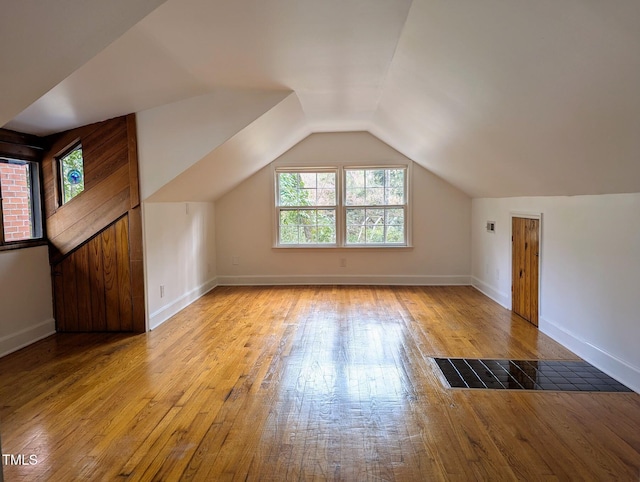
307 383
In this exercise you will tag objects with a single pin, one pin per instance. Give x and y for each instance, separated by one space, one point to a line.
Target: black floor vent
560 375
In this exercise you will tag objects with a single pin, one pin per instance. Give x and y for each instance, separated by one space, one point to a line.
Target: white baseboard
608 363
408 280
27 336
491 292
167 311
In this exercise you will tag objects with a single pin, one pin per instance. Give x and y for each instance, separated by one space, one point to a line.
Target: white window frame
279 208
405 206
341 207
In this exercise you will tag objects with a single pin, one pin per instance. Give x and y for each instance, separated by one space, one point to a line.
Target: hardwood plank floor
307 383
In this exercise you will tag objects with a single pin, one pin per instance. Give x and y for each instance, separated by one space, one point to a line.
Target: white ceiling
42 42
518 98
498 98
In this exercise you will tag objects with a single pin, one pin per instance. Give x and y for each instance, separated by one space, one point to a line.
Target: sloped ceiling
518 98
173 137
240 156
43 42
498 98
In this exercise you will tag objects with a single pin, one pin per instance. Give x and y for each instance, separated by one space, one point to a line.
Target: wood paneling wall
93 283
22 146
95 239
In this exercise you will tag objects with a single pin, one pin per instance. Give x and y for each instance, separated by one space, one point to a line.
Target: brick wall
15 201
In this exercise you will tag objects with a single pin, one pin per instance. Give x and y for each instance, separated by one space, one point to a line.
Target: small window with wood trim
71 166
20 210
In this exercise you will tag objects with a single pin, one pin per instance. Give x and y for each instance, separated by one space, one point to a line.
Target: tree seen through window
371 203
307 208
72 174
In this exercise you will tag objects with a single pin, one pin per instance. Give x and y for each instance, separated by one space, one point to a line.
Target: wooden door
525 267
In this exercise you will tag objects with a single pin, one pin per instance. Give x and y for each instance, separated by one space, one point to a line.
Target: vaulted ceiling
498 98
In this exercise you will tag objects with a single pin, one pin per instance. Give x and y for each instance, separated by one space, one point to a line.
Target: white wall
26 304
590 272
179 240
239 157
173 137
441 227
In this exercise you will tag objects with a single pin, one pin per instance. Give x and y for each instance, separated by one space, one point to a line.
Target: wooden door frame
526 215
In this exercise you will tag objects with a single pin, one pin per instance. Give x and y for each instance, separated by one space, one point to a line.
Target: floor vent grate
559 375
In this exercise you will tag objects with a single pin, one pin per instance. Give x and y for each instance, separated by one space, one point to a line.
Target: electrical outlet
343 262
161 291
235 260
497 274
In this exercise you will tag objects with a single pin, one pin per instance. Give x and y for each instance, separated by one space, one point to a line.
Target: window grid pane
374 187
375 225
378 201
306 189
307 226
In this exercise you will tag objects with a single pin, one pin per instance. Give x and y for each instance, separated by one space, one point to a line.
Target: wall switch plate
235 260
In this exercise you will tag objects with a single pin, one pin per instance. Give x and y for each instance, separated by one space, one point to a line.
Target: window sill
23 244
346 248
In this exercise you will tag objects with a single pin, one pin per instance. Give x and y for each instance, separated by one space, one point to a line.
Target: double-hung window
306 206
342 207
375 206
